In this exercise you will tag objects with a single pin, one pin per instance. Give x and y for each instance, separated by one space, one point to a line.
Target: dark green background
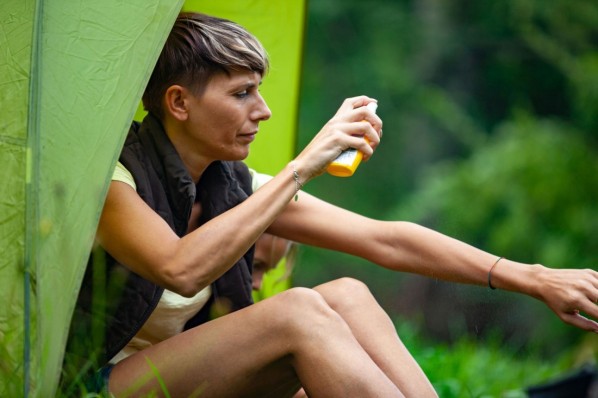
490 113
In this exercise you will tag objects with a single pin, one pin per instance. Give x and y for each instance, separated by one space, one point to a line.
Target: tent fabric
71 75
16 21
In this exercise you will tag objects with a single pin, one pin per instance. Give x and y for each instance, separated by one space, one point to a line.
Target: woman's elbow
180 281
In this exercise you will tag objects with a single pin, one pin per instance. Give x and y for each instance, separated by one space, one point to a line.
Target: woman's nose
262 112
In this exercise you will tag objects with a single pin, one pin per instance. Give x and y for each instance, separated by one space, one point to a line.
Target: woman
180 217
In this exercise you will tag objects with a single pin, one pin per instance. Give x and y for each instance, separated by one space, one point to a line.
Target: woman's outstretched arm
404 246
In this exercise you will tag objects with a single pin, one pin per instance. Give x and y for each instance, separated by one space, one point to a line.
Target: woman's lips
248 136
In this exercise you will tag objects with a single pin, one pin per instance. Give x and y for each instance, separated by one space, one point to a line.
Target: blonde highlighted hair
198 47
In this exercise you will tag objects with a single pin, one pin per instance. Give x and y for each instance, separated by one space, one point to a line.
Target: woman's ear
176 103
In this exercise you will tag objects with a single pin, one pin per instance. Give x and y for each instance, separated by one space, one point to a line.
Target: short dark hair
198 47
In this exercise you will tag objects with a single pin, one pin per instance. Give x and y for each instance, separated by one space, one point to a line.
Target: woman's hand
346 129
571 293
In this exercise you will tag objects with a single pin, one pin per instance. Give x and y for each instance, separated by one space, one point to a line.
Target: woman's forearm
412 248
398 245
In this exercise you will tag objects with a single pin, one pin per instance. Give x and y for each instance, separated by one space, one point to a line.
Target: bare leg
265 350
372 327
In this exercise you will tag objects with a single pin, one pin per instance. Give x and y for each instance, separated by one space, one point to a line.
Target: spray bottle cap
372 106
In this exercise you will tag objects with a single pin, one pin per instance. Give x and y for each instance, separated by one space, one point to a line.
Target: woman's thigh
243 354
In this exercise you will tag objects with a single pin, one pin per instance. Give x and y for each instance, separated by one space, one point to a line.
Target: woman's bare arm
404 246
139 238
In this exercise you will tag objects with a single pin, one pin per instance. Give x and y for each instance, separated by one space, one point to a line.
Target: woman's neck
195 163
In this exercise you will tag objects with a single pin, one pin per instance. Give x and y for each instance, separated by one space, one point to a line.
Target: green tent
71 76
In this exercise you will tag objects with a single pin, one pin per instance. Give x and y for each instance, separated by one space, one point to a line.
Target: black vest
165 185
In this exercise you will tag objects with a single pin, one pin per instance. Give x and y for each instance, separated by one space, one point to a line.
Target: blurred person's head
269 250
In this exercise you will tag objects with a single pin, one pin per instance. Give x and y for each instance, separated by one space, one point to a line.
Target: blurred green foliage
274 281
471 369
529 192
490 114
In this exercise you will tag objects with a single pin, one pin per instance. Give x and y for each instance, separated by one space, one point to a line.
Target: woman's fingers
347 129
571 293
354 118
580 321
353 103
355 110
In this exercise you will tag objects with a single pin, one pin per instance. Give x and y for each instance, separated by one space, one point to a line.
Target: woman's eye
242 94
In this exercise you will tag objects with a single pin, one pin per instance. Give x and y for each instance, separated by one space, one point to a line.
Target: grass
470 368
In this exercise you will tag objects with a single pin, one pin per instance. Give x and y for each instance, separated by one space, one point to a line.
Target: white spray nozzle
372 106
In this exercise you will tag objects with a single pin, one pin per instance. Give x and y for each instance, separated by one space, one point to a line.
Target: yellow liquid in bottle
346 163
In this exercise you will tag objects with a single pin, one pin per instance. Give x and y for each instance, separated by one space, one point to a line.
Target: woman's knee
346 293
305 311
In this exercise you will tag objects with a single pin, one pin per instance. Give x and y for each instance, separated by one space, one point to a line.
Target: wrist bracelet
298 184
490 273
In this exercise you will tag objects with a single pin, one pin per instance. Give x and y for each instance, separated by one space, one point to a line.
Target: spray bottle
346 163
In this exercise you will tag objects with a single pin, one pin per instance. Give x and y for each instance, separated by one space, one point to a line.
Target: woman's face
225 118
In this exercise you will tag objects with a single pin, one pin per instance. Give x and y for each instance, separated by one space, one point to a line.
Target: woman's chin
241 154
